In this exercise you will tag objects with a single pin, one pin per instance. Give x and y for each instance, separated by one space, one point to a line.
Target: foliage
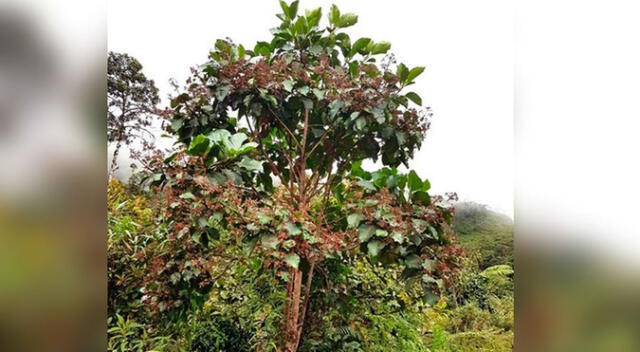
129 217
212 335
126 335
304 110
380 313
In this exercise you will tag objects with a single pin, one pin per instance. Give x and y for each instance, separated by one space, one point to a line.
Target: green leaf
414 181
288 85
301 26
361 122
381 233
292 228
288 244
176 124
215 218
397 237
222 92
234 143
415 72
199 145
319 93
262 48
367 185
187 195
170 157
269 241
293 260
313 16
304 90
380 48
264 219
360 45
334 15
347 20
374 247
241 51
219 136
285 8
293 9
414 97
402 71
413 261
354 220
251 165
431 298
365 232
421 196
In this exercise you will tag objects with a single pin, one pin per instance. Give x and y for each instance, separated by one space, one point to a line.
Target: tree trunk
114 161
295 309
290 336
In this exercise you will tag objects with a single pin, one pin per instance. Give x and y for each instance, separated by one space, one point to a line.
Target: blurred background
52 175
576 171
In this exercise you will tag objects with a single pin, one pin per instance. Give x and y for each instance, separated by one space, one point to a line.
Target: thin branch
293 136
274 168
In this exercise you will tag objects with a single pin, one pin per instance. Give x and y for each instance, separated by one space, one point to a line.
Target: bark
295 309
292 312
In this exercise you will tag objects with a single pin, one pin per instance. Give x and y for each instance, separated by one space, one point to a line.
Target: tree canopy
131 101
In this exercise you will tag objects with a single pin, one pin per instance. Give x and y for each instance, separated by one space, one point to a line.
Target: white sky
467 47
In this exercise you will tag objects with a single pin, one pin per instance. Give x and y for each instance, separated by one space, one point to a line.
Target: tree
131 99
303 110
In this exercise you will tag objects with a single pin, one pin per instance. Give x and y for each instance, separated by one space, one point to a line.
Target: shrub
220 335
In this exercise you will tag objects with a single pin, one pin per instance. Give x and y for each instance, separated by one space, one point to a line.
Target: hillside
486 232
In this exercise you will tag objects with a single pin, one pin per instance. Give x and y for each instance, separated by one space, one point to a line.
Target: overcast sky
467 47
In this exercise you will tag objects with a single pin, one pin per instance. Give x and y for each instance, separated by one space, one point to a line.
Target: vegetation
262 231
488 233
243 308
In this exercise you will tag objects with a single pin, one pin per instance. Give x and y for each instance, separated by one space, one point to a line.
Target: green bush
242 311
220 335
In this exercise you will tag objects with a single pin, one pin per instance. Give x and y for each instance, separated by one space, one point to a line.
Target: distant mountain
486 233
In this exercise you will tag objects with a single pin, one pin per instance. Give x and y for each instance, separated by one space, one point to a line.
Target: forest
265 226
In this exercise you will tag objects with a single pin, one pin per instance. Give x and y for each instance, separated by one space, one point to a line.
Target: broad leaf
414 181
347 20
413 261
380 48
360 45
292 228
402 71
415 72
414 97
269 241
251 165
199 145
334 15
293 260
374 247
313 17
354 220
365 232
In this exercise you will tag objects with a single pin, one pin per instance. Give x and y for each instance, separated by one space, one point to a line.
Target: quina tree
273 141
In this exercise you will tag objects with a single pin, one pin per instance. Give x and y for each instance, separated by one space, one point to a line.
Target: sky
467 47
